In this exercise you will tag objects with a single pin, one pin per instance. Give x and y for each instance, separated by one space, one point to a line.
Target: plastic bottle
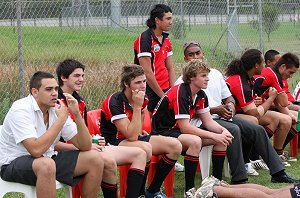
298 122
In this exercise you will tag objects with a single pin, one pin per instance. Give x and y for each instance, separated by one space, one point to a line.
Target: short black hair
270 55
66 67
158 11
289 59
36 79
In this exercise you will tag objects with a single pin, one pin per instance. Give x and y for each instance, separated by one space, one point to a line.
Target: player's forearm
84 141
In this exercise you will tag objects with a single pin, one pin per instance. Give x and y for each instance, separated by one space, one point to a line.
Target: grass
263 179
105 50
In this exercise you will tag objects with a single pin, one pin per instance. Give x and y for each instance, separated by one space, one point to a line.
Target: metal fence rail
37 34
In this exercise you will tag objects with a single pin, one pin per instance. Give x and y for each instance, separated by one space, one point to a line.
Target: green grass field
104 50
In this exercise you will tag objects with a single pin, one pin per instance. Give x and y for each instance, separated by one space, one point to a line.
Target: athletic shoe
190 193
142 196
179 167
284 160
284 179
250 170
211 180
259 164
155 195
206 190
288 157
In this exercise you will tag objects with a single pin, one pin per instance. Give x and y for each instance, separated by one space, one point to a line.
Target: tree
270 19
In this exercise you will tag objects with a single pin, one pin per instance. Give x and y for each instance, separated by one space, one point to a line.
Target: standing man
70 75
153 51
32 128
122 117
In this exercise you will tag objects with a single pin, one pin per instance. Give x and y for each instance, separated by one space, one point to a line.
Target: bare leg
224 192
45 171
90 164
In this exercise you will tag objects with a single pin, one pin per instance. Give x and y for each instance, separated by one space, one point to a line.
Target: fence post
260 25
20 49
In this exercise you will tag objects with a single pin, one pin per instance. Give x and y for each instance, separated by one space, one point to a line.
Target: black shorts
116 142
295 192
175 133
153 98
20 169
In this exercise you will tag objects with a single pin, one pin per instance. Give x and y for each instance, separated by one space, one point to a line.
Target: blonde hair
191 69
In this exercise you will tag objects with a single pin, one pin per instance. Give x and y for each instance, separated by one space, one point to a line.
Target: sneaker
284 179
190 193
142 196
206 190
284 160
155 195
288 157
211 180
259 164
179 167
250 170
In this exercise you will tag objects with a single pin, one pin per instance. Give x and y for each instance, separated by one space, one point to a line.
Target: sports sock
134 181
190 165
109 190
165 165
218 158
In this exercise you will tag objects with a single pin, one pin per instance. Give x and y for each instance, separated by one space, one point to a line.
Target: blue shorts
20 169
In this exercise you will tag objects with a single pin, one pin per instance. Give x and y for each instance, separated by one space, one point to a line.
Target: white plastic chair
204 160
28 191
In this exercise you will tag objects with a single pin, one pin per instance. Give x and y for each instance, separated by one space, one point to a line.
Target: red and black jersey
269 77
241 88
177 103
147 44
81 104
287 91
113 108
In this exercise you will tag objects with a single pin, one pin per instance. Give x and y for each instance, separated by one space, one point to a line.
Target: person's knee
285 121
95 159
44 167
195 144
147 147
220 147
174 146
141 155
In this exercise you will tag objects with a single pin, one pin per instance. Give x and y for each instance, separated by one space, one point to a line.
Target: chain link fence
37 34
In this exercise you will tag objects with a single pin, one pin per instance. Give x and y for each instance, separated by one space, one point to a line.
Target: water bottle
298 122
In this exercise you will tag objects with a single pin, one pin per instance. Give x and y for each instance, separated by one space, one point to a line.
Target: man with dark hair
275 76
122 118
153 51
70 75
32 128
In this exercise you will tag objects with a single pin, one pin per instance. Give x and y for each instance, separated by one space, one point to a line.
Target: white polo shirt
216 91
25 120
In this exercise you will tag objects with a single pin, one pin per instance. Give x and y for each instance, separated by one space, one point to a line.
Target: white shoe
284 160
179 167
250 170
190 193
259 164
288 157
206 189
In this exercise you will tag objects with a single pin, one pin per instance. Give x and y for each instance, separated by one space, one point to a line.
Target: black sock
109 190
270 133
190 165
134 181
142 191
218 158
165 165
279 151
292 133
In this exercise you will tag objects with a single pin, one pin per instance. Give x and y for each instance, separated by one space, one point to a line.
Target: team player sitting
172 118
71 78
121 125
31 129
